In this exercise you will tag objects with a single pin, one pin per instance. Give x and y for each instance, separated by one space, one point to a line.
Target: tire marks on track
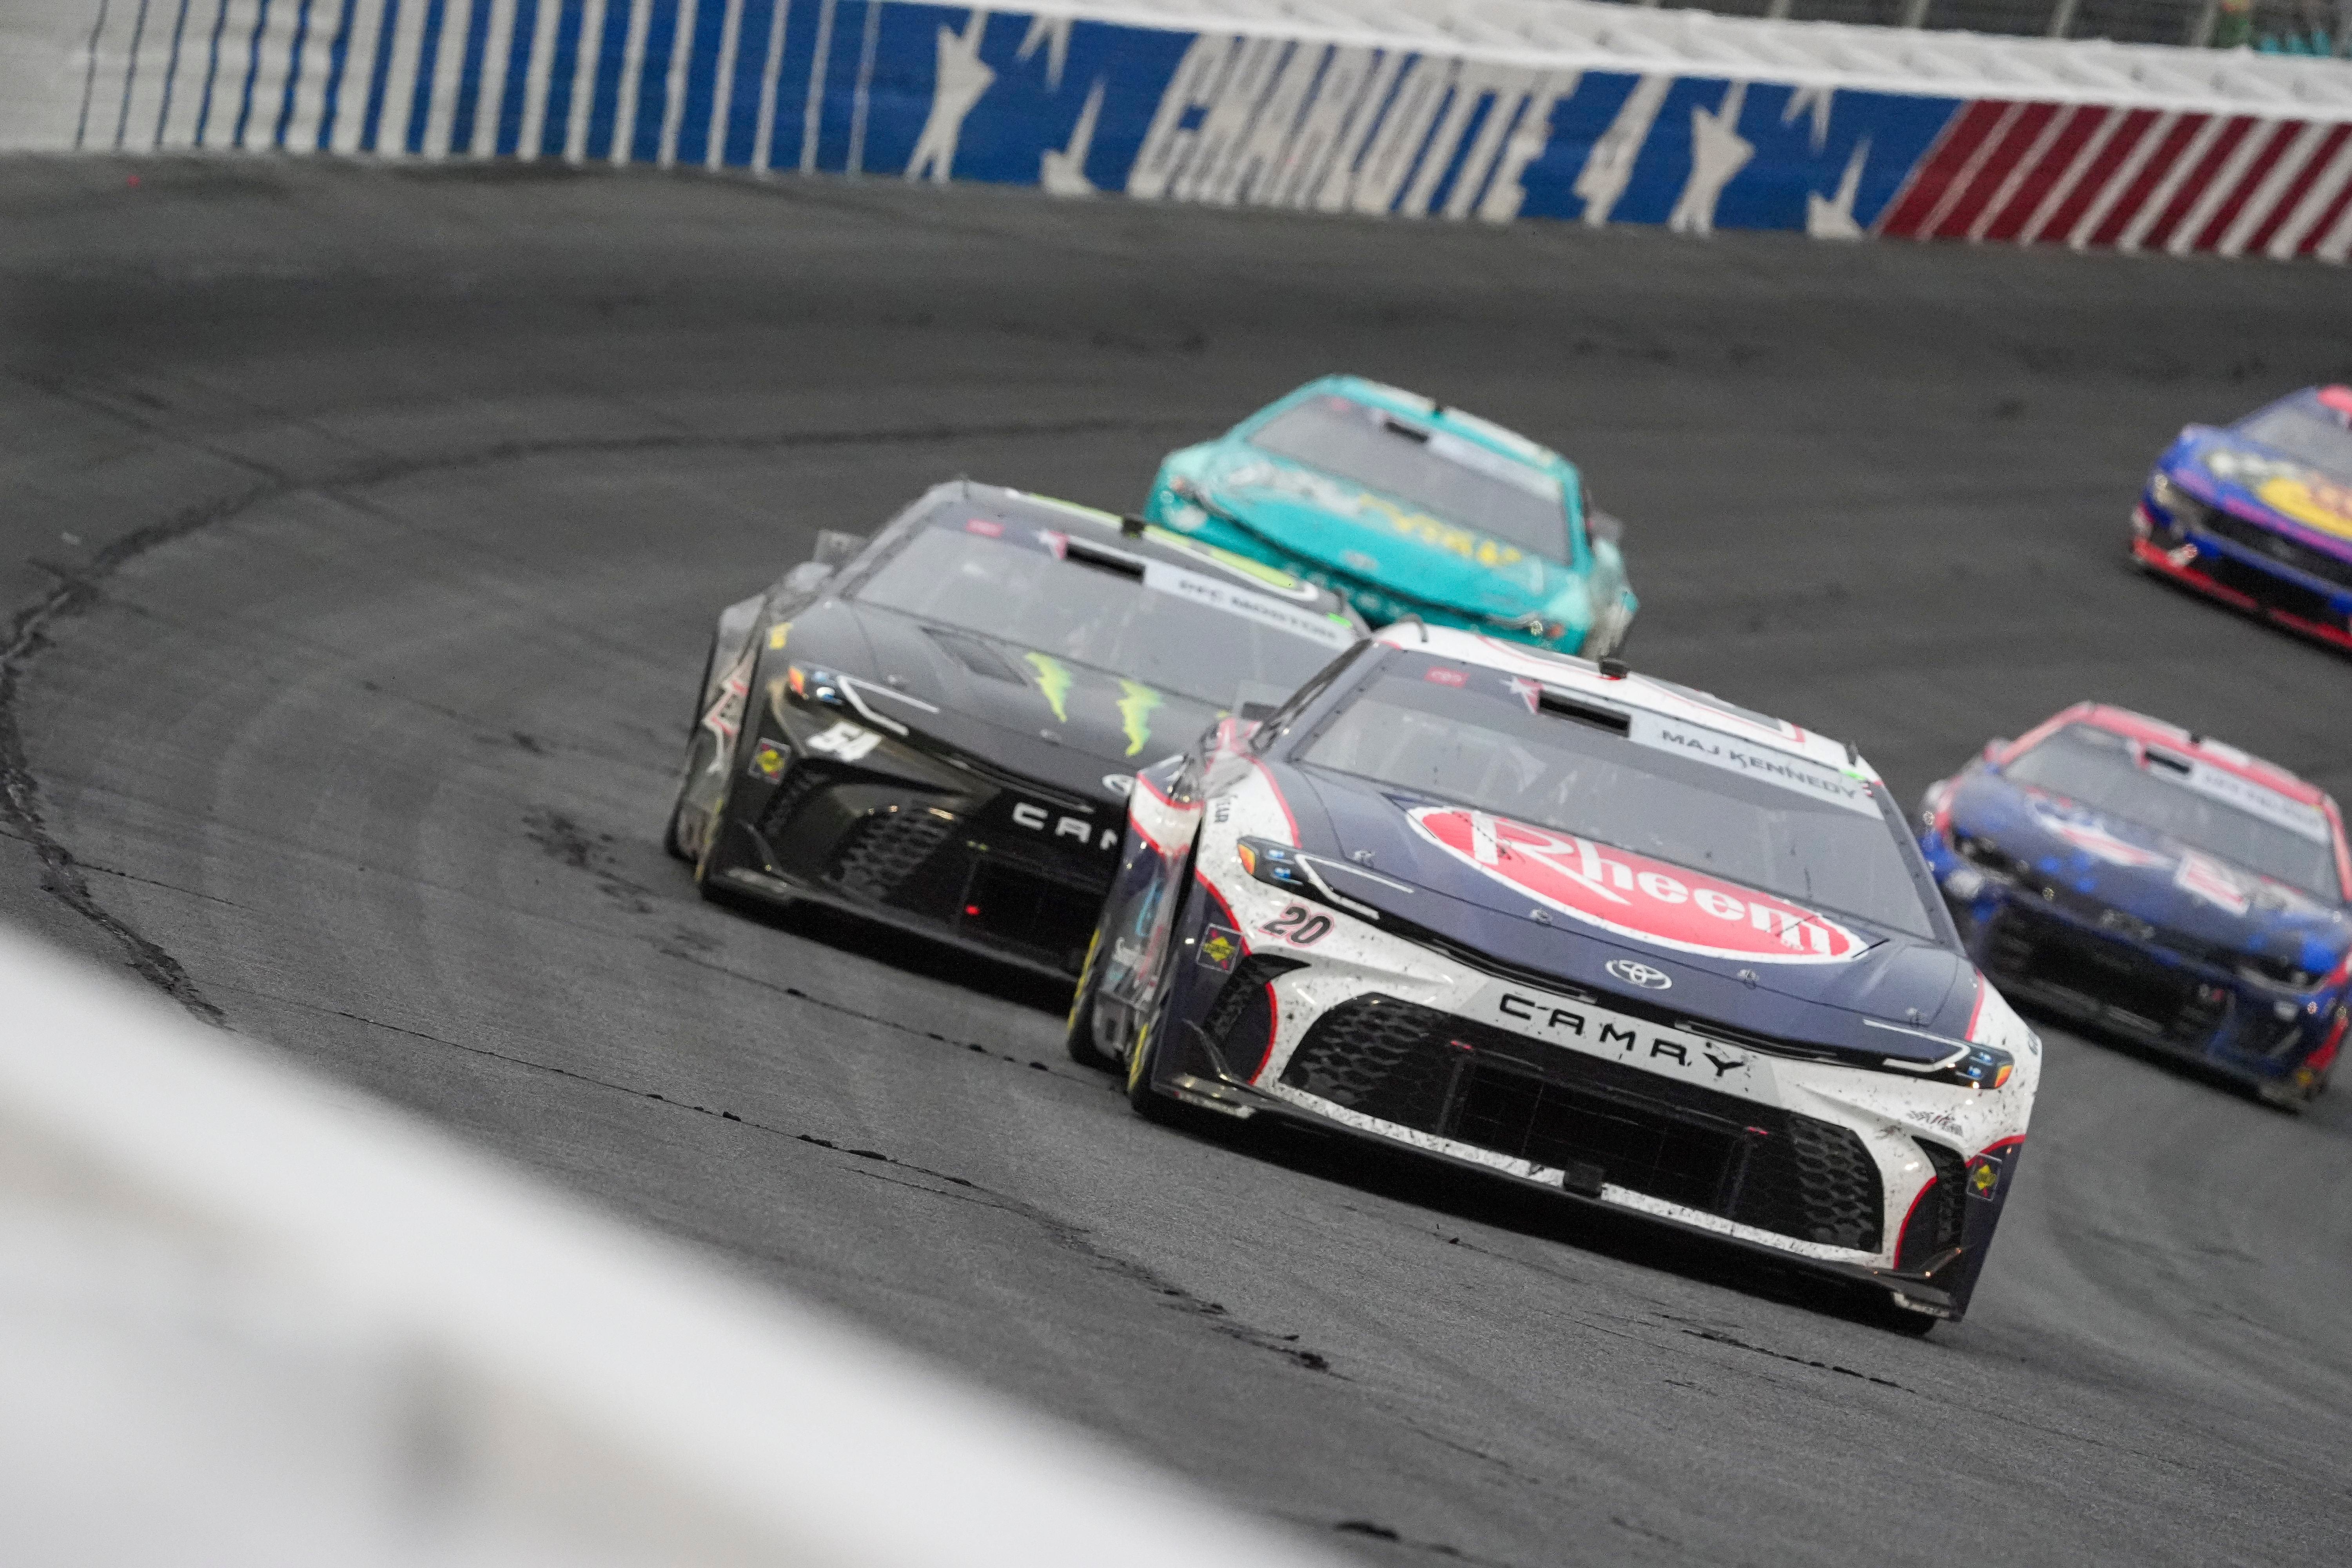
77 590
1065 1233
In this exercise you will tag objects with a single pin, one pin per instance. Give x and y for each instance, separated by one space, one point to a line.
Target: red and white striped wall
2128 179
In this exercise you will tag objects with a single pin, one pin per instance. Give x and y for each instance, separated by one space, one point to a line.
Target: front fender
737 623
1163 817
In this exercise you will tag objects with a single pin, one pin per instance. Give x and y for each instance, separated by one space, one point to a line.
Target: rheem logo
1635 896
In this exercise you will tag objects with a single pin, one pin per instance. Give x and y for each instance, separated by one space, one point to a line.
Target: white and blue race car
1586 930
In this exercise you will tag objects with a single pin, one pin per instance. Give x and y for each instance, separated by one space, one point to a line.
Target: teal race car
1405 508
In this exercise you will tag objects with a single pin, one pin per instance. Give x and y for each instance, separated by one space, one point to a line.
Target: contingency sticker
1717 749
1219 946
768 761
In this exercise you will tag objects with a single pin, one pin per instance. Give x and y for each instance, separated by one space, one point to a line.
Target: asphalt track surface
362 528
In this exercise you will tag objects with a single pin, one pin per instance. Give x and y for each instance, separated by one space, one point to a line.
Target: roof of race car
1497 438
1568 673
2204 748
1164 544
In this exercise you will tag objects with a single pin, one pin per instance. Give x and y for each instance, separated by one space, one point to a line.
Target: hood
1047 718
1729 953
2307 503
2106 863
1351 529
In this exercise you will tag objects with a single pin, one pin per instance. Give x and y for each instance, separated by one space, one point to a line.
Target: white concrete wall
248 1318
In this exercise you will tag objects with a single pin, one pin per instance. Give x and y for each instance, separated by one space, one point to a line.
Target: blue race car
2259 514
1405 508
2158 885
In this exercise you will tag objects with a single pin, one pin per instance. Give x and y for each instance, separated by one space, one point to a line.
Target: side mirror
1601 525
834 548
805 577
1996 752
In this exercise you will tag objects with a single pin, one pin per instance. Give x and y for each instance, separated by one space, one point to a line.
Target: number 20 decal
1299 926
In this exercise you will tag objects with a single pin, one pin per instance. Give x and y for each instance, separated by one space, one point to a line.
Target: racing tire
1082 1034
1143 1051
671 841
712 889
1142 1058
694 740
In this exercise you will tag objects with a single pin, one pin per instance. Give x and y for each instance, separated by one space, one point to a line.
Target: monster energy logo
1054 683
1135 707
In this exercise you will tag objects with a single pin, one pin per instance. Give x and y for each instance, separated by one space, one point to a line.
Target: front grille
1940 1214
2119 986
2268 589
2278 547
1010 905
1594 1139
1598 1120
886 848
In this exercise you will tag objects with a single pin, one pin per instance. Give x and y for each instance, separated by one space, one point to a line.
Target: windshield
2314 435
1187 632
1442 473
1768 820
2185 799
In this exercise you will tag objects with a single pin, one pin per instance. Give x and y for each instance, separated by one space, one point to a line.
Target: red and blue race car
2259 514
2156 885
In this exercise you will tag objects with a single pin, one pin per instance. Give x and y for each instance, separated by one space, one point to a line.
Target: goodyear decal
1136 704
1054 683
776 636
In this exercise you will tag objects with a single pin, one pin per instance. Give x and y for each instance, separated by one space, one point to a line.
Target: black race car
939 728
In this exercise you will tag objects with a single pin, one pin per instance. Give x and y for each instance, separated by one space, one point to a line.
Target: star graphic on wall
1053 32
961 82
1717 153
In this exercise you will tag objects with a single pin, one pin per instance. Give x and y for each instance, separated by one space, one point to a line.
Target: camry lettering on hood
1633 896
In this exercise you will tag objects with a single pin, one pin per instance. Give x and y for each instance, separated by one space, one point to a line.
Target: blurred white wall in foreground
250 1318
45 67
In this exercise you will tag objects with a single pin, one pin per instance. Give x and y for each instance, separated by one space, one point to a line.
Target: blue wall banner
1083 106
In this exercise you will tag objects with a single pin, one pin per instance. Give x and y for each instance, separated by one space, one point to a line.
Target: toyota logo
1640 975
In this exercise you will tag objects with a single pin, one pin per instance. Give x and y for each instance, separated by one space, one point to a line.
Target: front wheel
679 835
1148 1043
1142 1061
1093 1036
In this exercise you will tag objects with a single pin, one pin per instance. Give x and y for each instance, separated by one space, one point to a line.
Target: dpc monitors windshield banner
1083 107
